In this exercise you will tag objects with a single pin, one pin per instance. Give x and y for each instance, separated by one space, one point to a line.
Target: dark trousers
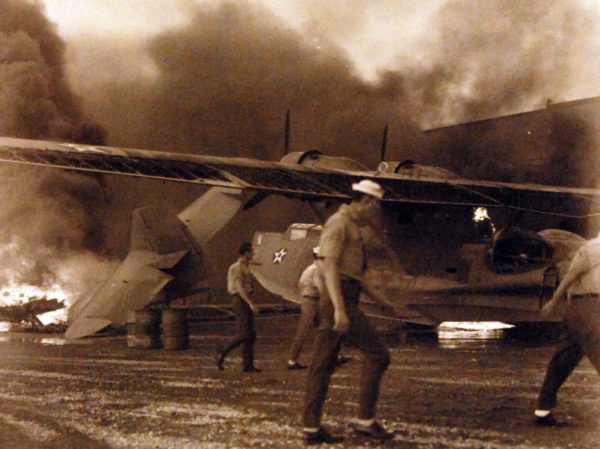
360 335
246 333
582 337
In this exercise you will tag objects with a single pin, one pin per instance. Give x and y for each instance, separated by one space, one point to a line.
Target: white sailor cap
315 251
369 187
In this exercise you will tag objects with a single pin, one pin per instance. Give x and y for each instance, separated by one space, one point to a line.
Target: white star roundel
279 255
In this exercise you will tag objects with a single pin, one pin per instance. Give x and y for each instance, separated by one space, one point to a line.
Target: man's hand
340 322
549 309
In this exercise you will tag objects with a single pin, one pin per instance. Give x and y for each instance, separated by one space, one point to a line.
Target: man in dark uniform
581 285
239 285
342 262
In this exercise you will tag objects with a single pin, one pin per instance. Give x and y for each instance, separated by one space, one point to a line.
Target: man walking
310 288
581 285
239 285
342 262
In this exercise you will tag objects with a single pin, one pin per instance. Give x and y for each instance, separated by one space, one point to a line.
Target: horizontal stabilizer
84 328
132 286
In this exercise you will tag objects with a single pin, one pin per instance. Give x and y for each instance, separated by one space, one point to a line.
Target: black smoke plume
51 220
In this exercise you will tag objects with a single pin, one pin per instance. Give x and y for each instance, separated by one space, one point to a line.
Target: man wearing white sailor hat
342 263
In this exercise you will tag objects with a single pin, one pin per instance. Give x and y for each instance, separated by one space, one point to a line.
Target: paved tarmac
464 390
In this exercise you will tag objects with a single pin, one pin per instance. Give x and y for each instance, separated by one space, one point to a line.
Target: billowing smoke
484 60
481 60
51 220
224 82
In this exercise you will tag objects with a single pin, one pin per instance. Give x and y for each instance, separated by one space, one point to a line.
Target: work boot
546 421
252 369
321 436
373 430
219 359
341 360
295 366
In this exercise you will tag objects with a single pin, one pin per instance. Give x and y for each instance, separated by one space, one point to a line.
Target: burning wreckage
26 307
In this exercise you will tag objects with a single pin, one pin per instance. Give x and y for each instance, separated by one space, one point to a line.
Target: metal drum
175 329
131 337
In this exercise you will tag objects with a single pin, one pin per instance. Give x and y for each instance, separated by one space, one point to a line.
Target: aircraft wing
297 180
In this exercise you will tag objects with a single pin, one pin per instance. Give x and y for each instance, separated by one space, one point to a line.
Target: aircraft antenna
384 143
286 142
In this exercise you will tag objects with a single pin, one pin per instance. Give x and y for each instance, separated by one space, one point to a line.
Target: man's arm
241 290
575 271
333 285
377 297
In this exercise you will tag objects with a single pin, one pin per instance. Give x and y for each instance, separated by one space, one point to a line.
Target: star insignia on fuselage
279 255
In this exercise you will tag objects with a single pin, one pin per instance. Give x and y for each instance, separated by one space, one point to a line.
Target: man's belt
586 295
349 280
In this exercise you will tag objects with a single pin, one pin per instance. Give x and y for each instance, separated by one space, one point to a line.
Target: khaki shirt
239 271
586 262
341 240
310 282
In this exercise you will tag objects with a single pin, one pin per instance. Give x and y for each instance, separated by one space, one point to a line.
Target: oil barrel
132 340
175 329
147 329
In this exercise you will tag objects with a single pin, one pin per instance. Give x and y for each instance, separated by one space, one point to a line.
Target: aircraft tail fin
166 260
157 231
160 245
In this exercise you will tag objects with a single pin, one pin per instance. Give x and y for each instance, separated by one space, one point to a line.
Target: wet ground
463 390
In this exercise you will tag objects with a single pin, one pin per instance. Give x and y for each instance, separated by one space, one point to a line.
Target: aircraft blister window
517 251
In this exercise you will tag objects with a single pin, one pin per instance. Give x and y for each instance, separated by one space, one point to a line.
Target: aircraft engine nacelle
316 159
413 170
